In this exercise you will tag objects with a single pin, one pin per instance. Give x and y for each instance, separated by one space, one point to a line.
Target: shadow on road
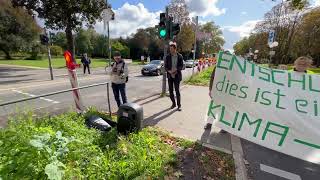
154 119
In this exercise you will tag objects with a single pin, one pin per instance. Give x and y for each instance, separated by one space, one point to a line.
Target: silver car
190 64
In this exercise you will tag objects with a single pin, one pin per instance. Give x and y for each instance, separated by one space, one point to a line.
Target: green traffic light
163 33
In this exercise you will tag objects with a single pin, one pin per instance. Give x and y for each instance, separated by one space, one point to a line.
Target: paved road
266 164
138 87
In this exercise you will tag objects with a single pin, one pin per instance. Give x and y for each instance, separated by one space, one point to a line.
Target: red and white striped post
71 65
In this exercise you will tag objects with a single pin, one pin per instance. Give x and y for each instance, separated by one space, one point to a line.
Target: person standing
119 77
174 66
302 64
86 63
209 124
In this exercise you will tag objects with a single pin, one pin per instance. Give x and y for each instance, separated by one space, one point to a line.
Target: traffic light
162 28
175 29
44 39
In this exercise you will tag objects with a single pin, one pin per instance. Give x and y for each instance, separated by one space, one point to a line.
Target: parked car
153 68
190 64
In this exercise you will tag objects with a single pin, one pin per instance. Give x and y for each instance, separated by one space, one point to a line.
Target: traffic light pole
195 45
49 56
165 53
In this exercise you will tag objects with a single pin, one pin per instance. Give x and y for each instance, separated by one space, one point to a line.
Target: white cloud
244 13
128 19
317 2
204 8
244 29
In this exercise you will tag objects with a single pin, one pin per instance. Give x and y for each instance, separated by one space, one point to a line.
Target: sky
236 18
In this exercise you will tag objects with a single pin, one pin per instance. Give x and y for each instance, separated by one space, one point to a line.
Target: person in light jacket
119 77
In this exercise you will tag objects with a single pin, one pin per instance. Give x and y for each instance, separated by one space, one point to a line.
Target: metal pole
164 74
109 106
50 65
49 57
195 45
109 44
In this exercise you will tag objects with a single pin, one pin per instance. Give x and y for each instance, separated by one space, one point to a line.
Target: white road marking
32 95
279 172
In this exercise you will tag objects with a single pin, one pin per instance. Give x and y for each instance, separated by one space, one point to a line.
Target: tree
59 39
56 50
284 19
18 30
100 46
216 41
308 36
83 42
185 39
124 50
179 11
65 15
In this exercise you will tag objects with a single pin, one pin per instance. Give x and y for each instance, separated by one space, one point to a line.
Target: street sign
107 15
271 37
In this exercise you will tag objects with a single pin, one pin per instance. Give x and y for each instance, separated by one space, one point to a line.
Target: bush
62 147
56 51
202 78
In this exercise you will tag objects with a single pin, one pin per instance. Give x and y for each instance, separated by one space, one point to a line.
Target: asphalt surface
14 87
266 164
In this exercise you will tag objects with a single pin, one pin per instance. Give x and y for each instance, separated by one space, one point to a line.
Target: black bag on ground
100 124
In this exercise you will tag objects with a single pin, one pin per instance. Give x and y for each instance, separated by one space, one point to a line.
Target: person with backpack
119 77
86 63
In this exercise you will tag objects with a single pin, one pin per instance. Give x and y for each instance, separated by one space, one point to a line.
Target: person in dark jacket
174 66
86 63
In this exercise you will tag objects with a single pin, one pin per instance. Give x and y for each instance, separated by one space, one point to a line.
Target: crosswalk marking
32 95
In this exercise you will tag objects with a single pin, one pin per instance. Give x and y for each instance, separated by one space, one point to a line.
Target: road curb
237 152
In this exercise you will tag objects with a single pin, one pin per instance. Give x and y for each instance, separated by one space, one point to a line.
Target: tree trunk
69 39
7 53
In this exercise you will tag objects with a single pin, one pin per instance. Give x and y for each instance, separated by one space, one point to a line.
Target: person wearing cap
119 77
174 66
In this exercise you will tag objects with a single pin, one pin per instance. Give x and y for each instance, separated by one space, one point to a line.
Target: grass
56 62
62 147
201 79
137 63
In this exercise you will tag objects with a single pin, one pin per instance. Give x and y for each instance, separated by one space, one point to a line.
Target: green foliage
62 147
201 79
83 42
56 51
124 50
185 38
59 39
18 30
216 42
67 14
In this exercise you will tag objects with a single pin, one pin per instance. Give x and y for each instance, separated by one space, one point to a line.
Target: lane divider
32 95
279 172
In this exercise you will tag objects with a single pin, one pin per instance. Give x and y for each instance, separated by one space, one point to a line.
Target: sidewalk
190 121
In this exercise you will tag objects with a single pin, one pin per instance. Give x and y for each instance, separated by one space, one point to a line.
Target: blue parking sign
271 37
